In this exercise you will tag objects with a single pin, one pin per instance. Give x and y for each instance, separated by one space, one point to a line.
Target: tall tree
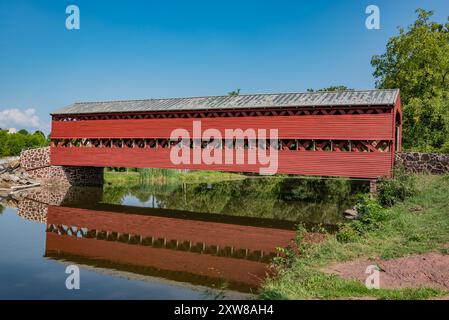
417 62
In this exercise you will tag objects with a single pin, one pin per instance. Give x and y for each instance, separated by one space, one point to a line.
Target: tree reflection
312 200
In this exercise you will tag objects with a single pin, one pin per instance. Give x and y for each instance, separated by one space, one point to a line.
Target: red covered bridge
346 133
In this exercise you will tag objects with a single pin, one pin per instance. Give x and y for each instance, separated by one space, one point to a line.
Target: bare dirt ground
429 270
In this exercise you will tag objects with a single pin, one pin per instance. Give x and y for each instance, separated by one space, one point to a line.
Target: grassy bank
417 224
168 176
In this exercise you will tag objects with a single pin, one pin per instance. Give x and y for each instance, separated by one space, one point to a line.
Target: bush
392 191
346 233
371 215
13 144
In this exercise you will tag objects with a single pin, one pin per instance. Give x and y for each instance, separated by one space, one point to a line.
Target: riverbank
169 176
418 225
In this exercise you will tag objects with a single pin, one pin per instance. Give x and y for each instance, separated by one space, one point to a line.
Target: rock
4 184
13 175
14 164
351 213
416 208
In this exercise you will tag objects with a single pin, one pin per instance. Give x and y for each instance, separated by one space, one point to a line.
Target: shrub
346 233
392 191
371 215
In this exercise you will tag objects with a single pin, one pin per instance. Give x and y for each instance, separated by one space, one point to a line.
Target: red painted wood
231 269
344 164
343 127
209 233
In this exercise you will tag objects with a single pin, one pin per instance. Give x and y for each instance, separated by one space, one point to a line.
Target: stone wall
32 210
423 162
37 164
32 159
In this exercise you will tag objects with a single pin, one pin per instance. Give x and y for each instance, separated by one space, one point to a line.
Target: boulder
14 164
351 213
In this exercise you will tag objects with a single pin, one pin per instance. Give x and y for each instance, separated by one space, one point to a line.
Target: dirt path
430 270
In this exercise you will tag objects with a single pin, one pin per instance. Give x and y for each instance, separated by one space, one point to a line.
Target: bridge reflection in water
200 249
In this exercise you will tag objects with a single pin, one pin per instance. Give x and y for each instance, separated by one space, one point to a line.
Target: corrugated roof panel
309 99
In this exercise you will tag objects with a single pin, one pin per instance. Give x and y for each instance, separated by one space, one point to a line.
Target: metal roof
250 101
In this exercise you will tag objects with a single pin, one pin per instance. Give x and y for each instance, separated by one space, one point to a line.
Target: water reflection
310 201
216 235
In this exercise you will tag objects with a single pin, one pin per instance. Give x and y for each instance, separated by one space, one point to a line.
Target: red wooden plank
343 127
344 164
209 233
204 265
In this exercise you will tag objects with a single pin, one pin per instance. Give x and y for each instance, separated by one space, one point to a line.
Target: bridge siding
369 165
343 127
346 164
231 269
210 233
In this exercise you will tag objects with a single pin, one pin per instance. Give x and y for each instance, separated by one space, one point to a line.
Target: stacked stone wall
434 163
37 164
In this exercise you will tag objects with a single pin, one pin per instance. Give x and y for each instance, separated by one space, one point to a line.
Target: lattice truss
225 114
280 144
159 242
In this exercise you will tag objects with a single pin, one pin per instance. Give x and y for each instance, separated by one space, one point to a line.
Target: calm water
185 241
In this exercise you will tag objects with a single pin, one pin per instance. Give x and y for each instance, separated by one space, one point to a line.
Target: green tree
38 132
3 138
13 144
331 88
426 123
417 62
234 93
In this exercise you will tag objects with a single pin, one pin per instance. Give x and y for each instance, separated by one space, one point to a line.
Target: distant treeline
12 143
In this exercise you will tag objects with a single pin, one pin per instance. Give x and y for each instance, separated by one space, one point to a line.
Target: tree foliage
234 93
13 144
331 88
417 62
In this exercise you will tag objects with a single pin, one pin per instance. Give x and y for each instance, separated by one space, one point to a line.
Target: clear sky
154 49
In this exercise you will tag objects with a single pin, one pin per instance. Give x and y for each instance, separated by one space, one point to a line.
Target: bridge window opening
398 132
297 145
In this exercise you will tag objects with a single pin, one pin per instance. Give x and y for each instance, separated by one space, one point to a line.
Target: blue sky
151 49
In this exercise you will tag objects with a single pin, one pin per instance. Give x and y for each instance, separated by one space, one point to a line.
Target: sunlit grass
408 231
143 176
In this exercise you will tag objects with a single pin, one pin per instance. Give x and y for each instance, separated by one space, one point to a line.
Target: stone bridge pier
37 164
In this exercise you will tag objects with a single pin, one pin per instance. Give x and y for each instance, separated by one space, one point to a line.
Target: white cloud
16 118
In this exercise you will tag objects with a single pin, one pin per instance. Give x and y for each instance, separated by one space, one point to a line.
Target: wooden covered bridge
347 133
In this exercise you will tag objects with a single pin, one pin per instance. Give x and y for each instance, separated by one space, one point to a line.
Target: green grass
406 231
168 176
209 176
